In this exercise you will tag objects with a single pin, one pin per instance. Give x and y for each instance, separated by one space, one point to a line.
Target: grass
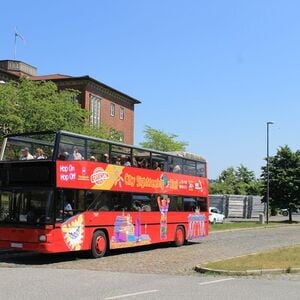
285 258
245 224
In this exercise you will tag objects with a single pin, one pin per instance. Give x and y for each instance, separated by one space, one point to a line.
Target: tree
239 181
38 105
159 140
284 179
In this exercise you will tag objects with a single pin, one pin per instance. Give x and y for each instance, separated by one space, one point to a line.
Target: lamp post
268 179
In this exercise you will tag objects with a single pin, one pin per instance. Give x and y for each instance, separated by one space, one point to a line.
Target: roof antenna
17 35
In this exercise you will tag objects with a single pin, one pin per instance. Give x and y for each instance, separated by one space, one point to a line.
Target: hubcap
100 244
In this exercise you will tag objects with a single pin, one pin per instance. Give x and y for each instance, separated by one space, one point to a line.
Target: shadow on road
35 259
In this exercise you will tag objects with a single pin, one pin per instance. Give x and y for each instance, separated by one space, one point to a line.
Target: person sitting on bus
76 154
68 210
93 158
39 154
156 166
127 161
117 160
25 154
143 164
176 169
105 158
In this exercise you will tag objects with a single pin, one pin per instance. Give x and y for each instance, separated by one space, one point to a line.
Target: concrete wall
238 206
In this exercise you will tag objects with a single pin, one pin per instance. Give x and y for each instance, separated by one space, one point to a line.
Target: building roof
65 78
13 69
49 77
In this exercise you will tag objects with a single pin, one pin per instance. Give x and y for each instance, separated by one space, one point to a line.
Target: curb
247 272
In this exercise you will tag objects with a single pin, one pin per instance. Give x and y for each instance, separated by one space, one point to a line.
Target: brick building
107 105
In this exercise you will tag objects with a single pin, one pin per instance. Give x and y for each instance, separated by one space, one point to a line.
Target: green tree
284 179
236 181
159 140
38 105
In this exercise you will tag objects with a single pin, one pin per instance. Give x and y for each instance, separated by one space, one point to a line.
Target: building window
112 109
122 113
95 105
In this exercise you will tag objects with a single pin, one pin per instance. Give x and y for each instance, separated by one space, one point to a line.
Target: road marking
215 281
131 295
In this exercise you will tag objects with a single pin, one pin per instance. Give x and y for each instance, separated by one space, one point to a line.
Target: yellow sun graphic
73 232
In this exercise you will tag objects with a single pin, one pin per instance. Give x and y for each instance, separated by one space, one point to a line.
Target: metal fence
238 206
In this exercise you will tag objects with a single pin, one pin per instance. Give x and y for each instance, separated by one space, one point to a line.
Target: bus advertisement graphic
101 176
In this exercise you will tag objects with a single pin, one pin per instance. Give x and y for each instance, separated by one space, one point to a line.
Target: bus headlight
42 238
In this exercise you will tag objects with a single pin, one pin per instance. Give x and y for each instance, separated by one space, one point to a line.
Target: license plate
16 245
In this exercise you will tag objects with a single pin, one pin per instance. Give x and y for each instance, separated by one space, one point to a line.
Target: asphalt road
36 283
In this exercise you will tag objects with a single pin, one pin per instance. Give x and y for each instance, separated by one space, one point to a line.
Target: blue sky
212 72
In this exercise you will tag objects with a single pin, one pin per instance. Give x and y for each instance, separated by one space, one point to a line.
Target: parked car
285 211
215 216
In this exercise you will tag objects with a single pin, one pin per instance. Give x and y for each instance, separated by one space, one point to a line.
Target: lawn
245 224
285 258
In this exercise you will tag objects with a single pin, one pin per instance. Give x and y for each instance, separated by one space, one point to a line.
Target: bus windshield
26 207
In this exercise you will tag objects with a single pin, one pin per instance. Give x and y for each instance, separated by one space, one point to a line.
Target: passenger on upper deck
126 161
156 166
25 154
105 158
176 169
39 154
76 154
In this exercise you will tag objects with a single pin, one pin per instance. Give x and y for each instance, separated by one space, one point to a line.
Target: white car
215 216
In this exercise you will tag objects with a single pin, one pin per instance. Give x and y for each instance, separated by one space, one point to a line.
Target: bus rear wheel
99 244
179 236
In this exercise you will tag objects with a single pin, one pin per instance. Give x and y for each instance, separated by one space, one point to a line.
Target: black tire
179 236
285 213
99 244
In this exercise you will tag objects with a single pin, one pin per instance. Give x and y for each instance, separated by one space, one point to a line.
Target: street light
268 179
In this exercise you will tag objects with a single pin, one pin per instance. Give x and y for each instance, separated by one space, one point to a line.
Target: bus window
101 201
189 204
120 155
175 164
4 205
67 145
97 149
141 202
141 158
201 203
189 167
200 169
159 162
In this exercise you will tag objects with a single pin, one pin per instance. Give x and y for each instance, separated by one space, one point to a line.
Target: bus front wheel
179 236
99 244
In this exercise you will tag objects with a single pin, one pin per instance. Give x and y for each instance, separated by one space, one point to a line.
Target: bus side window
173 203
189 204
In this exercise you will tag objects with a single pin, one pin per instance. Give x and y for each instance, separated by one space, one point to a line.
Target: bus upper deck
63 145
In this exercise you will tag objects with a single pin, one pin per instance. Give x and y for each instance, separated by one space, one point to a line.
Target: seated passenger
156 166
25 154
176 169
68 210
93 158
127 161
39 154
76 154
105 158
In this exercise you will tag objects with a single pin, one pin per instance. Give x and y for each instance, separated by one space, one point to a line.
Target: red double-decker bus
61 192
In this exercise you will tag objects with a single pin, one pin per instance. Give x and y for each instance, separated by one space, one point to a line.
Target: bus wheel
99 244
179 236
